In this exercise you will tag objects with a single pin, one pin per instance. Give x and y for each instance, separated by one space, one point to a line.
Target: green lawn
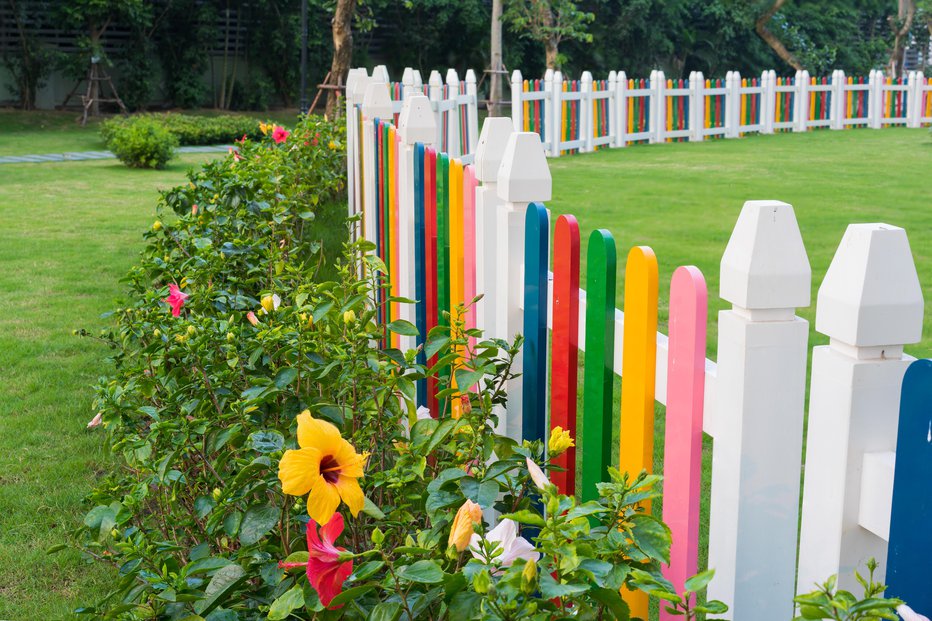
39 132
683 199
70 232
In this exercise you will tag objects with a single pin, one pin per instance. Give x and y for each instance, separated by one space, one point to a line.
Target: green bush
143 143
192 129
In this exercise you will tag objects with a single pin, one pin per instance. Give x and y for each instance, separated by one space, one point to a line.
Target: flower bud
462 530
157 333
560 441
529 577
157 225
191 330
217 494
377 537
251 316
231 337
349 316
268 303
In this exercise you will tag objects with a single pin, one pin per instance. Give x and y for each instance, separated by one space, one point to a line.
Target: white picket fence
870 305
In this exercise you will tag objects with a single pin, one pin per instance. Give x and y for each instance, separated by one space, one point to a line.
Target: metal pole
304 56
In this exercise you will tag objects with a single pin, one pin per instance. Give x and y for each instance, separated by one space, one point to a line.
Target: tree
549 22
34 62
901 24
342 32
760 26
93 17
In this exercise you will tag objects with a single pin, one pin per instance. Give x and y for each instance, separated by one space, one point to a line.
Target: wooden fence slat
536 262
682 469
639 363
565 345
596 434
910 547
469 244
430 262
420 268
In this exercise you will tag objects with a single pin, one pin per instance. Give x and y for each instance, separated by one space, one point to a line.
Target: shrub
143 143
192 129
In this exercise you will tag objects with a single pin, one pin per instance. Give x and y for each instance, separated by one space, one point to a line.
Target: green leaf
366 570
283 606
467 378
221 586
284 377
266 441
386 611
550 588
444 429
699 581
611 599
651 536
402 327
435 344
370 509
465 605
526 516
258 521
424 572
350 594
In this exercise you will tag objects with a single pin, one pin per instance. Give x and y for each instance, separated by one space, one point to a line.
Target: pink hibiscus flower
325 571
280 134
175 299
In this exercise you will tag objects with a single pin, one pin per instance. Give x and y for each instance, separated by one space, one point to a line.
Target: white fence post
621 110
376 104
407 83
611 107
556 96
733 108
523 177
875 99
548 112
517 107
870 305
472 113
586 120
489 151
353 78
837 111
658 103
768 101
453 116
801 105
415 124
418 82
380 73
696 106
435 93
762 349
913 99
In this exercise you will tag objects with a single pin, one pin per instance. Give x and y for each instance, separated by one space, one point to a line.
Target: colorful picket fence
448 229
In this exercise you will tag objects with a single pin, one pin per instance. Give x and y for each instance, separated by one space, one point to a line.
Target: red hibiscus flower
325 571
175 299
280 134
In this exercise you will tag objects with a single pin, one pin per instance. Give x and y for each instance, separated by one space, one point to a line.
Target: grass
683 199
70 232
39 132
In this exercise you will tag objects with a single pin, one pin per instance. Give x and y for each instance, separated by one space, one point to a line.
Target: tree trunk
906 11
94 86
760 26
552 51
342 30
495 48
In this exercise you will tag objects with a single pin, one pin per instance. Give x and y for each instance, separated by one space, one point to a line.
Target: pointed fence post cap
435 79
871 294
376 104
491 147
765 264
380 73
357 88
416 121
352 79
524 175
452 76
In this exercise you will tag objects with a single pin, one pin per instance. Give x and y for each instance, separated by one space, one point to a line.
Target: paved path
94 155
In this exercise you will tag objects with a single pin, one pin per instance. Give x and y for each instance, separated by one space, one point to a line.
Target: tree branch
760 26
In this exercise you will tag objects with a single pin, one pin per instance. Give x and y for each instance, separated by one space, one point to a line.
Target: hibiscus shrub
272 462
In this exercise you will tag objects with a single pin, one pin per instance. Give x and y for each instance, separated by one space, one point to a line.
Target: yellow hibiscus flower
326 465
